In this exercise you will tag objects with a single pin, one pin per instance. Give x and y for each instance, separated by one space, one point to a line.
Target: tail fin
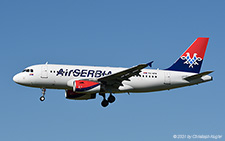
191 60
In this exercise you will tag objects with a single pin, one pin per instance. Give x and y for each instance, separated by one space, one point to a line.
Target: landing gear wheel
105 103
42 98
111 98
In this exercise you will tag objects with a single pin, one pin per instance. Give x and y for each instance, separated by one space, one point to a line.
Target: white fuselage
61 77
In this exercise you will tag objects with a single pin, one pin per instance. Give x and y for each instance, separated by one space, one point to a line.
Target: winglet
150 63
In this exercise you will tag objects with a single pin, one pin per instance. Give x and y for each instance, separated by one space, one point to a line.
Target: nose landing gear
105 102
42 98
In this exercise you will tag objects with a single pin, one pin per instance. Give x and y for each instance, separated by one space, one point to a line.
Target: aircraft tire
105 103
42 98
111 98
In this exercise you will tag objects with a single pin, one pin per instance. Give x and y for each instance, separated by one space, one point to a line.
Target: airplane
84 82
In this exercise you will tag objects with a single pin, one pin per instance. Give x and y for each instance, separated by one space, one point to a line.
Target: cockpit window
28 70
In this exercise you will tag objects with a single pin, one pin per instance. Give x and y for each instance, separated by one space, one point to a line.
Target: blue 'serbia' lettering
98 73
76 72
83 73
90 73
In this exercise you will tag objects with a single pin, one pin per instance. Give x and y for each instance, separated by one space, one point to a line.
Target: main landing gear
42 98
105 102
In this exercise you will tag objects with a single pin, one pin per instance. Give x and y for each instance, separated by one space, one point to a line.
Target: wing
115 80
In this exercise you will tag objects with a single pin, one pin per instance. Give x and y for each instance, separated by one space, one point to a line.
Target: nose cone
17 78
22 79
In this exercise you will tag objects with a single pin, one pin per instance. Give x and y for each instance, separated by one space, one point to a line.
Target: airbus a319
84 82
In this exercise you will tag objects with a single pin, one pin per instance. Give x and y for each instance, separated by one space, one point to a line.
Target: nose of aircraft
17 78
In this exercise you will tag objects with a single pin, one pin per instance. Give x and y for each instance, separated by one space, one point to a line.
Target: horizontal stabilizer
193 77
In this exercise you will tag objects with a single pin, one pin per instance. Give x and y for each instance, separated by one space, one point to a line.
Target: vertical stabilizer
191 60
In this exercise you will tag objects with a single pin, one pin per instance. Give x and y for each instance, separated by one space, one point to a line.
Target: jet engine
69 94
84 86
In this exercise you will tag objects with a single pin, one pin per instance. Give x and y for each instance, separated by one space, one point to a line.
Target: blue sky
110 33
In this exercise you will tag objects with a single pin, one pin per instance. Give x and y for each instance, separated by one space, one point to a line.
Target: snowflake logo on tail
191 61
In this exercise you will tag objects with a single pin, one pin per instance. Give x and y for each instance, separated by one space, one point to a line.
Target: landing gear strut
105 102
42 98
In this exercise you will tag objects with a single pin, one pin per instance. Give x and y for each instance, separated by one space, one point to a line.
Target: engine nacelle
84 86
69 94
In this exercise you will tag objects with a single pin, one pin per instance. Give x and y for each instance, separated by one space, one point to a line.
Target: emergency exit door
44 71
